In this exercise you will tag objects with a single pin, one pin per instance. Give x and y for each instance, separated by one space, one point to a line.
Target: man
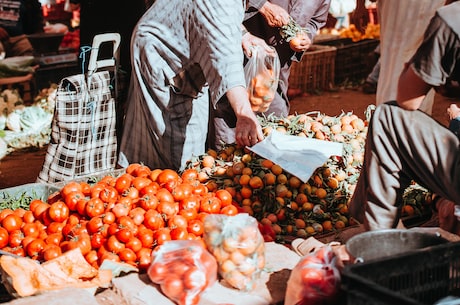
404 144
263 20
184 54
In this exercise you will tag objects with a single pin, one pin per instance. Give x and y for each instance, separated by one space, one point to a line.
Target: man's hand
248 130
275 15
249 41
300 43
453 111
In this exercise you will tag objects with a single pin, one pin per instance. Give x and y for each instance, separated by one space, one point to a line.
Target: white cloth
402 25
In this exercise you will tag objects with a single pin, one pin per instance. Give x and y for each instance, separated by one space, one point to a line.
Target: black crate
414 278
351 60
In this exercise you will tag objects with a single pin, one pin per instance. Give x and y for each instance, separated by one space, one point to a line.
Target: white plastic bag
262 75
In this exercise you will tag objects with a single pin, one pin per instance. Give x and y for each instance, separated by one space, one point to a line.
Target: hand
275 15
249 41
453 111
300 43
55 28
248 130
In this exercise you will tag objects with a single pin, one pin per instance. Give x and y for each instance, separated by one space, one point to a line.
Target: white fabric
403 24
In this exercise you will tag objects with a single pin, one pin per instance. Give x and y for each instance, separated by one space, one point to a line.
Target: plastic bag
238 246
183 269
315 280
262 75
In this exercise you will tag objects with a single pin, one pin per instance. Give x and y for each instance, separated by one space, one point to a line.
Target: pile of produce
372 31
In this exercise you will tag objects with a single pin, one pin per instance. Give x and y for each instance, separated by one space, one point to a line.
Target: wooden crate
315 72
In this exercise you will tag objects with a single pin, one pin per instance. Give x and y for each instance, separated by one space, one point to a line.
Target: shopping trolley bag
83 132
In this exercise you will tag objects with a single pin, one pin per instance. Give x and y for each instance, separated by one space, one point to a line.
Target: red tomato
121 209
157 272
179 233
97 240
82 241
146 237
72 199
12 222
123 182
32 229
39 209
210 205
94 207
141 182
188 214
190 202
172 286
94 224
178 221
70 187
189 175
51 251
114 245
229 210
108 194
127 255
54 239
15 238
196 227
142 171
134 244
168 178
137 215
164 195
124 235
108 217
153 220
148 201
35 248
58 211
92 258
162 235
224 196
168 209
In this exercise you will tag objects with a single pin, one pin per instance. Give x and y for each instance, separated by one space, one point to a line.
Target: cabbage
35 118
13 121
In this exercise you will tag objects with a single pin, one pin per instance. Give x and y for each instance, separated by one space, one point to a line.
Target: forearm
411 90
239 100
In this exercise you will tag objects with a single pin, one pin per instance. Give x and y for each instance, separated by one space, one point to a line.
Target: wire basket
315 72
418 277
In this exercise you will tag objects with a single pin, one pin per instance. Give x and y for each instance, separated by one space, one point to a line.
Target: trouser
402 146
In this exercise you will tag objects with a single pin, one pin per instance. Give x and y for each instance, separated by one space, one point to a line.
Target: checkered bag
83 140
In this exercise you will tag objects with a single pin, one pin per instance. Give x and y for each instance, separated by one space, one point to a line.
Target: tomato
132 193
137 215
189 175
178 221
12 222
124 235
19 251
141 171
108 217
150 189
54 239
81 206
35 248
146 238
224 196
131 168
200 189
123 182
167 176
164 195
157 272
179 233
144 258
229 210
30 229
127 222
172 286
32 205
110 256
127 255
120 210
168 209
196 227
72 199
108 194
28 217
97 240
141 182
85 188
188 214
40 209
94 224
82 241
58 211
108 180
134 244
15 238
114 245
162 235
92 258
190 202
210 205
153 220
94 207
51 252
148 201
70 187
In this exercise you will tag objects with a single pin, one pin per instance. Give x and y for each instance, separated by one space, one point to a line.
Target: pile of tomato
120 218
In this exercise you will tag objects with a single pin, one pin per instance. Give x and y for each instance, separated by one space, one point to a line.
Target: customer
185 53
402 24
19 18
404 144
263 20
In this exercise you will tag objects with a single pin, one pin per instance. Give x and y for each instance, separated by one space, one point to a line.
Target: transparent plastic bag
183 269
238 246
315 280
262 75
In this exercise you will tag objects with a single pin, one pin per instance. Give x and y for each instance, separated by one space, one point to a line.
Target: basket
422 276
315 71
351 60
27 192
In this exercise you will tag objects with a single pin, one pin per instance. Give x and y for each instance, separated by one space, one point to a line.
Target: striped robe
164 129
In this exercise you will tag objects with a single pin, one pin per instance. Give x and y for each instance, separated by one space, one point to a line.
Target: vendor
19 18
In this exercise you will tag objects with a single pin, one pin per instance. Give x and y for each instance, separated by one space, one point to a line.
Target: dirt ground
22 167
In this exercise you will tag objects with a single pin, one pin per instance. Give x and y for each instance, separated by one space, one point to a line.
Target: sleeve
311 15
436 58
218 45
255 4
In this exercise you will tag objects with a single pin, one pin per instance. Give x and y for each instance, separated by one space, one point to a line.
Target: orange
256 182
266 163
244 179
269 178
208 161
276 169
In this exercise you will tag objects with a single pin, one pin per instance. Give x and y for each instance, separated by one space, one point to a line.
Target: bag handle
95 64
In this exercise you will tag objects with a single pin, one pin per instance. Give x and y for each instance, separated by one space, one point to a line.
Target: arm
411 89
248 130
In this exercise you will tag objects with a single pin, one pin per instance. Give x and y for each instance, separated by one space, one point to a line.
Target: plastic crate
351 60
418 277
315 71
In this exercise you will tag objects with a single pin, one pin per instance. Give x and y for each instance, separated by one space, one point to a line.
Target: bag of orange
238 246
262 76
183 269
